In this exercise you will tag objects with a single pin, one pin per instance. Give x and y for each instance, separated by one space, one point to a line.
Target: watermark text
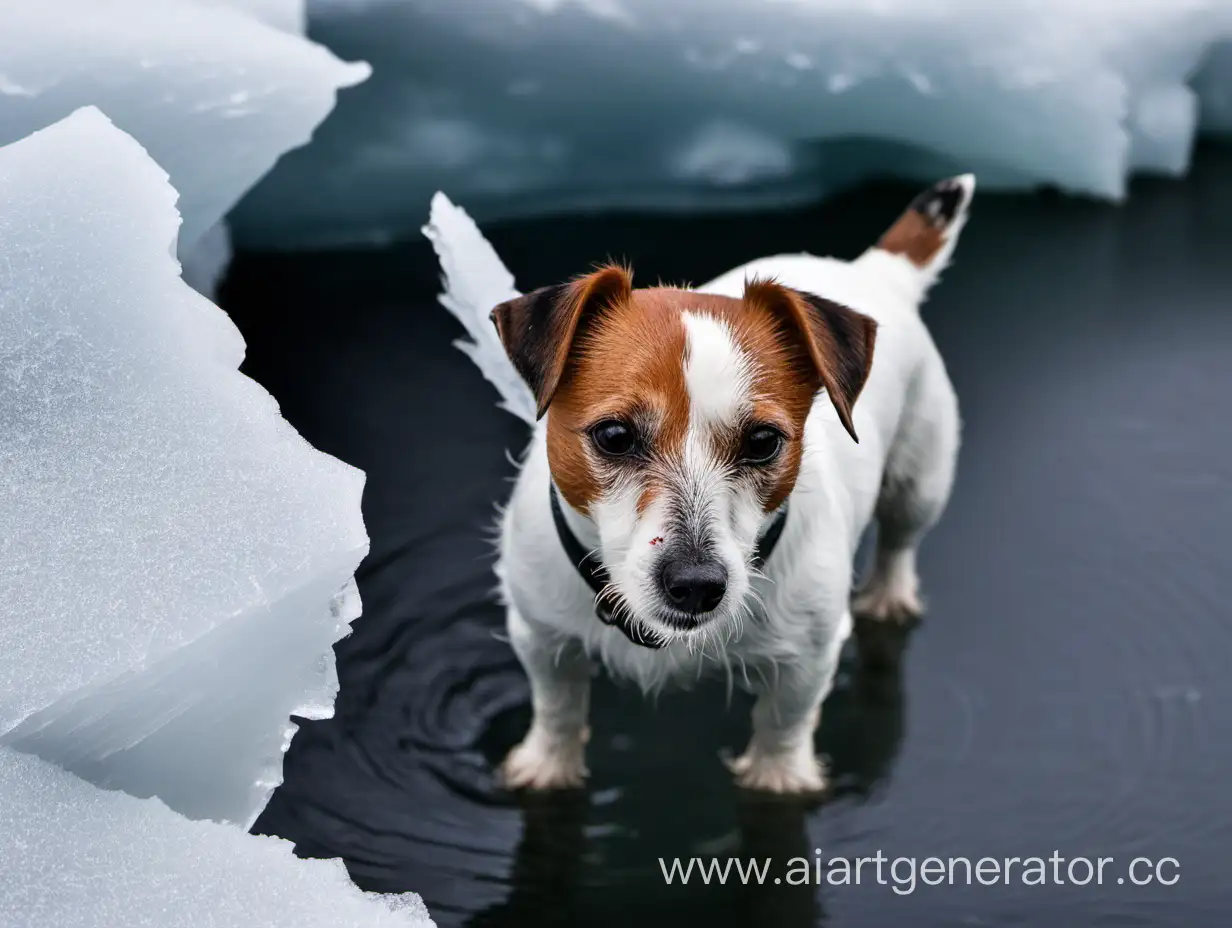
905 874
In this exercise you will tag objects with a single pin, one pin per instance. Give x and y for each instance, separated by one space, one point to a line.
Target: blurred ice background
520 107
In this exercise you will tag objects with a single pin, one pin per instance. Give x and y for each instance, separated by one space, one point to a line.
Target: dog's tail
925 235
476 281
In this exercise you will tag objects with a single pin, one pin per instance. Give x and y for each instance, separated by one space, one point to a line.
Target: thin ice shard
476 281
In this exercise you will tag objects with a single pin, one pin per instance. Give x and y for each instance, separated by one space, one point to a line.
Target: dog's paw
892 592
541 763
792 773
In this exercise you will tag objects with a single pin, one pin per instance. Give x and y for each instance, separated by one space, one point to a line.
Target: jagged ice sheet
175 560
215 90
520 107
79 857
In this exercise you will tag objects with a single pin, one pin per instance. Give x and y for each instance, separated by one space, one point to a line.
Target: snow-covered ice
175 560
80 857
519 107
216 90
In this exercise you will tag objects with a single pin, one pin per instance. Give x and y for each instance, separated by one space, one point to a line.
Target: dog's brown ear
839 340
538 329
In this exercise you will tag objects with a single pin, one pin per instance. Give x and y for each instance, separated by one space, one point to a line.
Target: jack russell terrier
695 490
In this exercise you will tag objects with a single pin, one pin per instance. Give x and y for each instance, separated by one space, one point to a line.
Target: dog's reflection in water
562 875
862 727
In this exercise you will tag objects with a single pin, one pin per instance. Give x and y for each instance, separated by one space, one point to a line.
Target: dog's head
676 423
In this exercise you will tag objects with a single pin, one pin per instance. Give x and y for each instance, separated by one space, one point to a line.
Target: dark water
1069 691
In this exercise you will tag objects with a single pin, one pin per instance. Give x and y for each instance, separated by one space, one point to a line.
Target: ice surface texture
530 106
79 857
214 93
175 560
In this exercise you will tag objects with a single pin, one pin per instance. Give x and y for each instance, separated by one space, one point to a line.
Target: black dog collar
595 574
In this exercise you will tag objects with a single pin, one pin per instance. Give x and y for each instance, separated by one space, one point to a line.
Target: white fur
780 634
717 373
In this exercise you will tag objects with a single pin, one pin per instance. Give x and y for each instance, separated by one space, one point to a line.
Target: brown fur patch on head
839 340
596 349
627 365
785 383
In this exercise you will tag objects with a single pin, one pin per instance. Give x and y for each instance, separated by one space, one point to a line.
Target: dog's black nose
694 587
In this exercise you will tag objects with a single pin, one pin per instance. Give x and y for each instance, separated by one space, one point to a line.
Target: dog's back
908 382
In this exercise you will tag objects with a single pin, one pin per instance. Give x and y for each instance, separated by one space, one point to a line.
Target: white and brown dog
695 490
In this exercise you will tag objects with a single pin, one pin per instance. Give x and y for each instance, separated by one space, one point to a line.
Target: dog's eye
614 438
761 445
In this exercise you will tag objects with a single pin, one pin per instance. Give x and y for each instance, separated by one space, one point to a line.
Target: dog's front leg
553 753
780 756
